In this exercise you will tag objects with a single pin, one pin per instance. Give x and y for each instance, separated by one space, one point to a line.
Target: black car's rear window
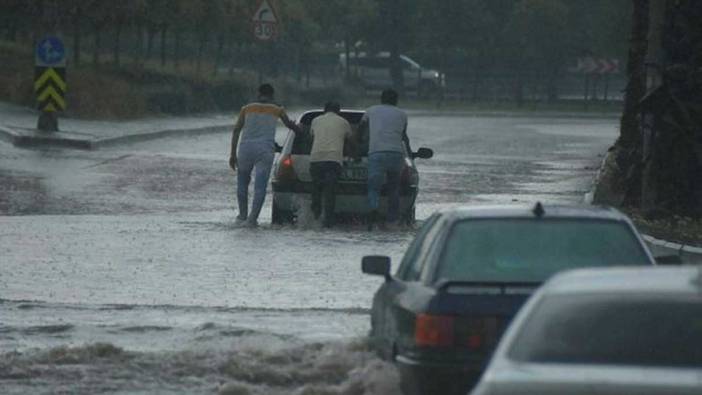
614 329
516 249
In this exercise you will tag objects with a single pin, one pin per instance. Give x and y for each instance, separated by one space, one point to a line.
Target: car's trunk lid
481 311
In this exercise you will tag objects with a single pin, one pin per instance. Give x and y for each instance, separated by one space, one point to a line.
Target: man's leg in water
376 178
263 166
317 186
245 164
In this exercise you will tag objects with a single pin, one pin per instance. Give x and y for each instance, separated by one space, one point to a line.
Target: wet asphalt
134 246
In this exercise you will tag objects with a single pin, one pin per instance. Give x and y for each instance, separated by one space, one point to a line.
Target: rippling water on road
122 272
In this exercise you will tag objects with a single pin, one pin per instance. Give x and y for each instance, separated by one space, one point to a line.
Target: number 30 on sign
264 30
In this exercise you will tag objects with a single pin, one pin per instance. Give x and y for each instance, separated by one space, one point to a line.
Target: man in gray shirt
387 130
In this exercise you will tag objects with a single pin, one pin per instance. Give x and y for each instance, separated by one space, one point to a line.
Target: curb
687 253
89 143
136 137
514 114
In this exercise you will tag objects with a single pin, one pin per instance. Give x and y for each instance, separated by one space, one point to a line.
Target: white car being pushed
292 182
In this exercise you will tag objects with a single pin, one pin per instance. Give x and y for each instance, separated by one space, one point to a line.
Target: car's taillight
477 333
408 176
286 171
474 333
433 330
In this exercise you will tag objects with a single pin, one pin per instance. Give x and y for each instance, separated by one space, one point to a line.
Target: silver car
635 331
373 71
292 182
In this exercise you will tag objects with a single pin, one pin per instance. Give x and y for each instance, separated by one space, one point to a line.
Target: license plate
355 173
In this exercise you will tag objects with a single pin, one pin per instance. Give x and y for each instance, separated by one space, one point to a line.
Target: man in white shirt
330 131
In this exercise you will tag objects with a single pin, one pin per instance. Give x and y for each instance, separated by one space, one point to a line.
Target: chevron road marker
50 75
50 87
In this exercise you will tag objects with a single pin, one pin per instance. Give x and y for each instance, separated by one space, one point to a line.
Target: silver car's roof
648 280
527 211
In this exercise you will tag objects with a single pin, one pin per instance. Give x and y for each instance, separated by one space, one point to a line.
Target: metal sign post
50 82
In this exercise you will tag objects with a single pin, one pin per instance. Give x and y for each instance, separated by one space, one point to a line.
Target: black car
467 273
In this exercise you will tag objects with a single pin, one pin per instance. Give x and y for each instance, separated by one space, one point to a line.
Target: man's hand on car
232 162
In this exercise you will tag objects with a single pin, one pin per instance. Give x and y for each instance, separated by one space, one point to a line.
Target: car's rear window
534 249
302 144
639 330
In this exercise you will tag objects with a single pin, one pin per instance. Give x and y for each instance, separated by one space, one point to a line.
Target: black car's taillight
286 171
477 333
433 330
472 333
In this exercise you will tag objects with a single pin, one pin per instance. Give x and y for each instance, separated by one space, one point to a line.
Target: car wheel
280 216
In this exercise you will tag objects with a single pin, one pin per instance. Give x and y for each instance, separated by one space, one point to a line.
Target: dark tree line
527 40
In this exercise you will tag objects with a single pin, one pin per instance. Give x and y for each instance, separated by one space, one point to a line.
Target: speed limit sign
265 30
265 22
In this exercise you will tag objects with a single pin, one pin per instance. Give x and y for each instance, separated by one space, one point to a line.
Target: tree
655 165
534 23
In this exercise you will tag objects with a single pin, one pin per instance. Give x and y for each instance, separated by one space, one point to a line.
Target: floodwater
121 270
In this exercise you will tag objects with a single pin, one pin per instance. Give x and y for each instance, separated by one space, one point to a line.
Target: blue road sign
50 51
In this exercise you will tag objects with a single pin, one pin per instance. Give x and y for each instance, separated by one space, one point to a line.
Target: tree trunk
234 51
117 49
630 136
98 43
77 32
200 52
139 43
672 180
298 63
552 86
11 33
221 47
519 89
164 30
619 181
347 63
150 35
176 48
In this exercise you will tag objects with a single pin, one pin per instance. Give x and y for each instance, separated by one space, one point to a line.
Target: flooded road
121 270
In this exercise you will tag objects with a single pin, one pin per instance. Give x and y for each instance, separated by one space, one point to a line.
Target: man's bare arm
290 124
405 138
236 132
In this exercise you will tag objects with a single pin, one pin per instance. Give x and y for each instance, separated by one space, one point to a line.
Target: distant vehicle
292 182
374 73
467 273
606 332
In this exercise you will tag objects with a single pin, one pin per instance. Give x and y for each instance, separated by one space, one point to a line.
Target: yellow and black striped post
50 88
50 81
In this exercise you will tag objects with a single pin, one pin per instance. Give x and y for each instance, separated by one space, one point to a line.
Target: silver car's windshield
533 250
639 330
